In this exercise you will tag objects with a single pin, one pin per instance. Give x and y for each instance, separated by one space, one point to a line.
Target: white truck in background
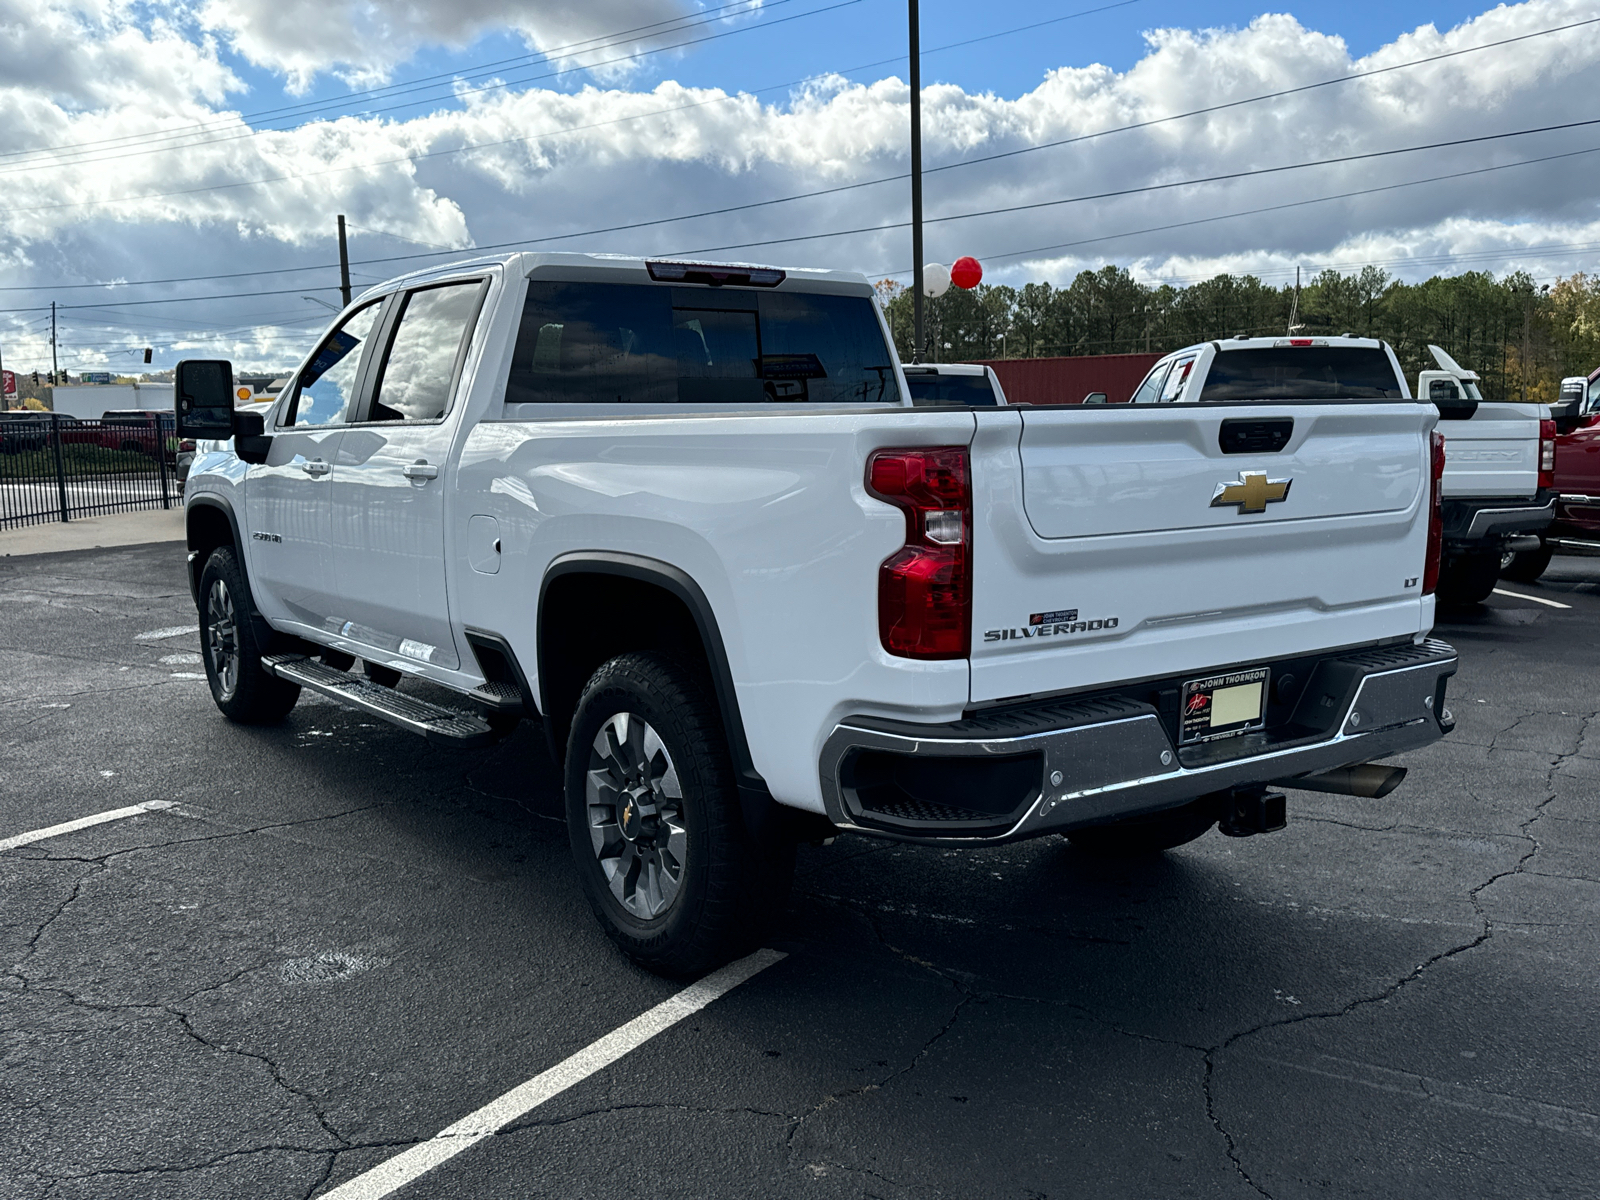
686 517
1499 479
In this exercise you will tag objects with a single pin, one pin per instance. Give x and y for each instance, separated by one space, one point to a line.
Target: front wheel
1525 566
655 822
1151 834
243 691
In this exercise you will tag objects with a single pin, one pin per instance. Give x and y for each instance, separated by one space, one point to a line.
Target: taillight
925 587
1547 454
1430 570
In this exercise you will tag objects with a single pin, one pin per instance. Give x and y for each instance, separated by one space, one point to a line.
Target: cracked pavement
340 940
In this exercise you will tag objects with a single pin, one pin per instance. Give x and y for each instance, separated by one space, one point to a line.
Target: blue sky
800 38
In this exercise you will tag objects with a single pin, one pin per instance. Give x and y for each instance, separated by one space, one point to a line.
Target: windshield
1302 373
972 390
618 343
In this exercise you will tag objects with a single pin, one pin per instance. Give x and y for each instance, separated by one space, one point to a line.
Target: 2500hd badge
1051 624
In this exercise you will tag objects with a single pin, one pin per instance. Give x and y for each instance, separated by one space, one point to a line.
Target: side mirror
250 441
1095 398
203 398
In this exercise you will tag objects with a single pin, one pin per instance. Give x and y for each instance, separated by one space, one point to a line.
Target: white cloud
363 40
552 162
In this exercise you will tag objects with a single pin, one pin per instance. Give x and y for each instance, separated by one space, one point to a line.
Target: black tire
1150 834
228 645
727 888
1469 578
1527 565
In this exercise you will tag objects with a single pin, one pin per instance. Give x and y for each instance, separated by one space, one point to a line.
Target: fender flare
680 584
195 566
765 818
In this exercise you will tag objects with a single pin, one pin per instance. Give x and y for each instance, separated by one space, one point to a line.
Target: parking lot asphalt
338 940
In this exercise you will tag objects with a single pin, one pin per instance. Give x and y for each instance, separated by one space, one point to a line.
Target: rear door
288 500
390 486
1115 543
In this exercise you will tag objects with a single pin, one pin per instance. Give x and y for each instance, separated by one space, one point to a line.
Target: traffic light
36 379
147 354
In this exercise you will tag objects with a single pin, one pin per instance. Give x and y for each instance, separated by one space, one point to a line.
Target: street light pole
916 182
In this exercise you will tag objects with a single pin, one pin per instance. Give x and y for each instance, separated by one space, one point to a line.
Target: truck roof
629 267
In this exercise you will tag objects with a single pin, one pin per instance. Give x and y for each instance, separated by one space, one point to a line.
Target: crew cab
1576 479
686 517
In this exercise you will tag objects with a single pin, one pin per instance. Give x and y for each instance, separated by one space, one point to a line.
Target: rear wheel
1469 578
1525 566
228 645
1150 834
655 822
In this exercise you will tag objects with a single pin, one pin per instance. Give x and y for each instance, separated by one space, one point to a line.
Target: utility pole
916 182
344 264
52 345
5 401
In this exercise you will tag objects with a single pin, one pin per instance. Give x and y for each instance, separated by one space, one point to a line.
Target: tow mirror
203 393
1095 398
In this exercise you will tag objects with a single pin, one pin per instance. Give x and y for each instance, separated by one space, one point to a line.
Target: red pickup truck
1576 529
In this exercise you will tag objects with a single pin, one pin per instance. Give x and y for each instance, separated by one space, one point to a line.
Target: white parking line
388 1177
1535 599
171 631
116 814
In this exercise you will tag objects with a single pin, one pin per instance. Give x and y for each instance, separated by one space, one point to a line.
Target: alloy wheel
636 823
222 637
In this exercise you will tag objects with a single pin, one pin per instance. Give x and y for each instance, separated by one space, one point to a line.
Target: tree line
1522 337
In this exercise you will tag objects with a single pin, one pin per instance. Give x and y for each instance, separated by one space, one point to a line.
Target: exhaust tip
1371 781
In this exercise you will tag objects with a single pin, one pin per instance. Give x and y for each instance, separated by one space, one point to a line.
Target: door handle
420 470
315 466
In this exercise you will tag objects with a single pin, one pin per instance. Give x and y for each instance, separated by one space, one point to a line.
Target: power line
444 78
1251 212
845 187
1113 194
1148 188
23 167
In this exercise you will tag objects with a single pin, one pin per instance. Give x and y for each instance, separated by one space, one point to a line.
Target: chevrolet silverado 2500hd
686 516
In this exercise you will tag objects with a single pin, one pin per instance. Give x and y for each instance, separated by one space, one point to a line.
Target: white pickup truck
1499 479
686 516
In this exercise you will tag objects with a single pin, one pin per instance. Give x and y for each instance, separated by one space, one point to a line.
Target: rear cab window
1302 373
629 343
974 391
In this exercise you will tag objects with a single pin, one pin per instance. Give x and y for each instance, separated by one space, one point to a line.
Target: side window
1176 380
326 388
1151 387
1594 396
420 365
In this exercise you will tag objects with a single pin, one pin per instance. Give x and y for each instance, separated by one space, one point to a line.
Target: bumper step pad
446 726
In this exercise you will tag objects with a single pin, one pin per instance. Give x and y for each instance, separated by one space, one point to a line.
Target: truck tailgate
1493 453
1100 556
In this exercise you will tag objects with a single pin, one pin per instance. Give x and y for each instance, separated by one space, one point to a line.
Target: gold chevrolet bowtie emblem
1252 493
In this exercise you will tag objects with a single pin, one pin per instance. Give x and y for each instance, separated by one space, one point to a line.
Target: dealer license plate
1224 705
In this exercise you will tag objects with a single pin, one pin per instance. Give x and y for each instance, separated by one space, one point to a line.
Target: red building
1069 380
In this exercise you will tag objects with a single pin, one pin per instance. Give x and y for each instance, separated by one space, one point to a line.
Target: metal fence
55 468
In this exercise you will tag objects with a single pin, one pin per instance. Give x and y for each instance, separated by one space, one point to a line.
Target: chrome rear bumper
1101 759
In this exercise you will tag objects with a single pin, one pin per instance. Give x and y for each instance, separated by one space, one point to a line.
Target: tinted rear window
1302 373
972 390
621 343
